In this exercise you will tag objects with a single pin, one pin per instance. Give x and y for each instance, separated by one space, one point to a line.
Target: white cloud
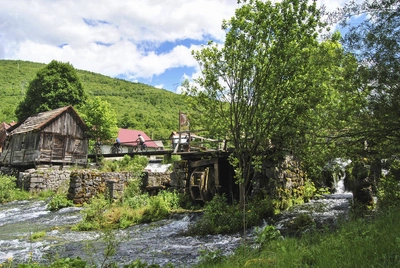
112 37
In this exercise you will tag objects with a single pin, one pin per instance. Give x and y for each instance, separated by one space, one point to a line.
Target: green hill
138 106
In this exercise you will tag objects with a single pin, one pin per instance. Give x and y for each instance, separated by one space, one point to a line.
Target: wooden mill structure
52 137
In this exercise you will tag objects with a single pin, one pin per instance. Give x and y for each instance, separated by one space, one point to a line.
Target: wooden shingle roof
40 120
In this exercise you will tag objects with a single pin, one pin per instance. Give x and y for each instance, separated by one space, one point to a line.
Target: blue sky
148 41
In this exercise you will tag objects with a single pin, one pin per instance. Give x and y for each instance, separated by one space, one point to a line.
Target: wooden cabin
53 137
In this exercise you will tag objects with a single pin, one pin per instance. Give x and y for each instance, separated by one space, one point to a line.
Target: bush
389 187
93 214
127 163
37 235
267 234
58 202
302 223
221 218
7 188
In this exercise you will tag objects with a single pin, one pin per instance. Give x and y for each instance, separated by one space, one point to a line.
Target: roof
159 144
40 120
129 137
3 130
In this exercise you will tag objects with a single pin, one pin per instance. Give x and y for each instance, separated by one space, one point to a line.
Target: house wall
62 141
22 148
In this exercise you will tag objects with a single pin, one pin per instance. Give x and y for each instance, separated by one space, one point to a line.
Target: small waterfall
338 166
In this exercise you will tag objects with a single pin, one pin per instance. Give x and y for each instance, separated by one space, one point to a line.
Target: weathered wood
205 162
55 136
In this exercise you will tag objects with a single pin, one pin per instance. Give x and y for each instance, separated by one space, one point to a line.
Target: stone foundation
82 185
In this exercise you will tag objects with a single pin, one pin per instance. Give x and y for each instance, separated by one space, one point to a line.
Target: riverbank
372 241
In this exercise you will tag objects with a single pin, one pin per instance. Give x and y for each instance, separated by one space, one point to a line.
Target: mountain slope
138 106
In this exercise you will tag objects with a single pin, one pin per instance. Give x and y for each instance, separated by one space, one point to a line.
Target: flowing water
160 243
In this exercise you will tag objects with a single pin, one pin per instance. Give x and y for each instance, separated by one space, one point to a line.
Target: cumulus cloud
115 38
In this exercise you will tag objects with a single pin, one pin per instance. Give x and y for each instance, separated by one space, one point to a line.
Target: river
161 242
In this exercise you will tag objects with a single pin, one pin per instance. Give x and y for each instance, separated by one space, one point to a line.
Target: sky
146 41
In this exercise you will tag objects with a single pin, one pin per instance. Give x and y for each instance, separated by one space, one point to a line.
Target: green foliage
134 188
7 188
69 262
220 217
359 243
37 235
389 187
155 210
56 85
58 202
212 256
268 85
375 42
134 164
160 206
100 118
77 262
93 214
286 197
309 190
45 194
137 106
267 234
10 192
141 264
134 208
301 223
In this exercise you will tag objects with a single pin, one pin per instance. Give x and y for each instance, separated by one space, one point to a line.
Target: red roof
129 137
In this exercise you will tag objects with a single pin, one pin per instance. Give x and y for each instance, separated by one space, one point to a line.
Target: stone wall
85 184
44 178
154 181
283 180
82 185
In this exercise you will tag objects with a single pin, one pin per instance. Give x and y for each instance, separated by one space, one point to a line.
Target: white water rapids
160 243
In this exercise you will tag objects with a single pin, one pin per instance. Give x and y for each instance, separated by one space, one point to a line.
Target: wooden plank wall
61 141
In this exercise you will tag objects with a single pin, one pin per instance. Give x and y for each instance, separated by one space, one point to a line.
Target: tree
100 119
265 85
54 86
375 42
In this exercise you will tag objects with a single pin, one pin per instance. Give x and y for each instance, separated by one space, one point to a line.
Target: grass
361 242
37 235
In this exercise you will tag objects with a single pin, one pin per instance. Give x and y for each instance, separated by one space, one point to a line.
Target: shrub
211 256
133 188
156 209
127 163
389 187
267 234
302 223
7 188
93 214
220 217
37 235
58 202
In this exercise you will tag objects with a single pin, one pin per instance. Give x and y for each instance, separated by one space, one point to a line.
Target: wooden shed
52 137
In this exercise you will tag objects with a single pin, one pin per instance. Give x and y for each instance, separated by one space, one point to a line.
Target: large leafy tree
101 120
268 81
375 42
54 86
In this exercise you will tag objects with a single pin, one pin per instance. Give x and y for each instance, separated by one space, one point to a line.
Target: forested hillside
138 106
